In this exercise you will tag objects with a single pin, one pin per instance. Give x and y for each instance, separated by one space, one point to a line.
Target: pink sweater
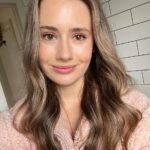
10 139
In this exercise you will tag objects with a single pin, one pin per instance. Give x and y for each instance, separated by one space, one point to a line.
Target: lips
64 69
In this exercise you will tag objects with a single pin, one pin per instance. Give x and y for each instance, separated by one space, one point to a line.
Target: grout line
133 71
135 56
141 84
131 25
125 43
137 48
129 8
117 13
132 17
109 8
139 70
104 2
129 57
134 41
143 77
144 39
115 38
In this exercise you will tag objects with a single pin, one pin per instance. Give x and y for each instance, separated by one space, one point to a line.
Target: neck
70 96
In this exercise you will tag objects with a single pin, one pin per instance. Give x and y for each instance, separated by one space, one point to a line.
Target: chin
67 80
64 83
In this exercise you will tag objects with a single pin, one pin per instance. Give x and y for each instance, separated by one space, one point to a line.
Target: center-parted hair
106 80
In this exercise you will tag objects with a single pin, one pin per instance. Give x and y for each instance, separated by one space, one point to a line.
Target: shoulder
140 139
4 135
10 138
136 99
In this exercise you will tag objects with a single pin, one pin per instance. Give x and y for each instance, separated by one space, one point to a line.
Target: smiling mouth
64 69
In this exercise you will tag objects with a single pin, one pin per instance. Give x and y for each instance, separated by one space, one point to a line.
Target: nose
64 52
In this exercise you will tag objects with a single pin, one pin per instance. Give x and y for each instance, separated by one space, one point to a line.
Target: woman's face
66 40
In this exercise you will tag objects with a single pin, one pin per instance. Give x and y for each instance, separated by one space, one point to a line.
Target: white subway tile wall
127 50
144 46
132 33
121 20
118 6
130 24
103 1
141 13
114 37
137 75
137 63
144 88
146 75
106 9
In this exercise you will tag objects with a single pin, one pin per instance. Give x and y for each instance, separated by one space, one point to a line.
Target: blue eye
80 37
48 36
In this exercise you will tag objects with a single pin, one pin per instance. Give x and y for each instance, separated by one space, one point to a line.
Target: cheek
85 52
44 53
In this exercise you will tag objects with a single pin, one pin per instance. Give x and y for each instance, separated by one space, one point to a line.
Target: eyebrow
78 29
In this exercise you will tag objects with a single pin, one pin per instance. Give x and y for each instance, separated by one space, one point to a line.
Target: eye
48 36
80 37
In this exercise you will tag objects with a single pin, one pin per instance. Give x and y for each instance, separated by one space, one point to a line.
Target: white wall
130 24
21 8
3 104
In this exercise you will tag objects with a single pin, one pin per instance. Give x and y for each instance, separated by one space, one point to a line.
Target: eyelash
81 35
48 36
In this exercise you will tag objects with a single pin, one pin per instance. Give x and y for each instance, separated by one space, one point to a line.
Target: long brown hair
106 81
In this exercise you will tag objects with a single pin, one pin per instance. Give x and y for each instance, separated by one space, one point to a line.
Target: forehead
64 12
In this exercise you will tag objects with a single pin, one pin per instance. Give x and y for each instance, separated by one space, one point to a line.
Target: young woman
78 95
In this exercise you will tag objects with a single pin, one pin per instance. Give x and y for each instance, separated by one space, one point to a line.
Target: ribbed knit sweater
10 139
